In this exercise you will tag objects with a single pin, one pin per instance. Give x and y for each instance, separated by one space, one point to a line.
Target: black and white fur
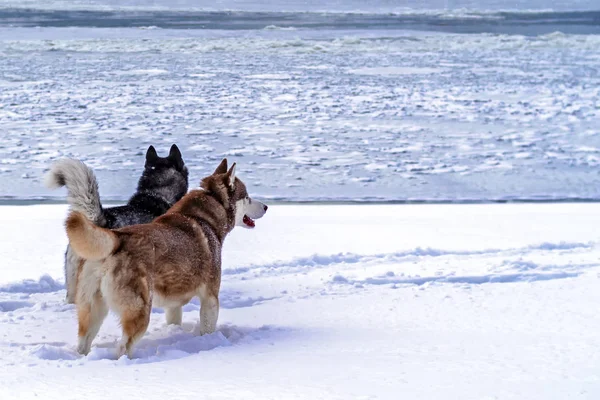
163 182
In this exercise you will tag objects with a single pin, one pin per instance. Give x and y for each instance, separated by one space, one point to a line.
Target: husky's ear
222 168
231 176
151 156
175 157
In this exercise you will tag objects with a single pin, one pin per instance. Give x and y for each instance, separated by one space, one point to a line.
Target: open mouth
248 221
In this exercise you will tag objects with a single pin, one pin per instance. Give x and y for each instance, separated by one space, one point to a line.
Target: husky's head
164 177
231 190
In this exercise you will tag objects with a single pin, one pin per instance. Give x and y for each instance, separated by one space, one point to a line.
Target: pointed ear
151 156
231 176
175 156
174 152
222 168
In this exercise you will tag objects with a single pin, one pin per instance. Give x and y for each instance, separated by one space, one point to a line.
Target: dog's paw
204 330
83 347
121 350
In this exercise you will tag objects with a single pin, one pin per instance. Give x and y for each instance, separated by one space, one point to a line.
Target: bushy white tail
82 187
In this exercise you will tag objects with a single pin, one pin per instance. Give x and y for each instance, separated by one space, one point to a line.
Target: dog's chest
171 301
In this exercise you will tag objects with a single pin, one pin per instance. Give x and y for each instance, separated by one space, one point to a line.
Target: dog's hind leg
73 264
132 300
174 315
209 310
91 314
135 324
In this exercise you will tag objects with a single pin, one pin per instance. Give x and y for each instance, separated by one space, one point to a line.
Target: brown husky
169 261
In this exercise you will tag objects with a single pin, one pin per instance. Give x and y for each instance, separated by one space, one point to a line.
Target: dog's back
144 210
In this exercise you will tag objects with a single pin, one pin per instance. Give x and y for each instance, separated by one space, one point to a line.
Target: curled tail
89 240
82 188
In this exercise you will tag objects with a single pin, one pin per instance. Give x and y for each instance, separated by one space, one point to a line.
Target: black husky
163 182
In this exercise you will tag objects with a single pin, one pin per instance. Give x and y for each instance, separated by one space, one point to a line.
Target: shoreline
112 202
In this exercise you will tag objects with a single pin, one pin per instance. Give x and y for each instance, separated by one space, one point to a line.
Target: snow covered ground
334 302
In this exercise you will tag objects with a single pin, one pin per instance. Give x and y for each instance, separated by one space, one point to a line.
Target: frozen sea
343 100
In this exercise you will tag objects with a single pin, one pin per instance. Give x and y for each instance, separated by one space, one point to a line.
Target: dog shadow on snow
168 343
174 342
162 343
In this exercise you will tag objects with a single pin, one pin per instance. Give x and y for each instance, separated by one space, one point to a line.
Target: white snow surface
334 302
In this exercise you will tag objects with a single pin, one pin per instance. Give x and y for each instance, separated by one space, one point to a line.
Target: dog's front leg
209 314
174 315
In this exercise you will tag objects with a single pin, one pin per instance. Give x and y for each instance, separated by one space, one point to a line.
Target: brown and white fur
169 261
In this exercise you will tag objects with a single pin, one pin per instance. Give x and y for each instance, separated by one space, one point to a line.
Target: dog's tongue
248 221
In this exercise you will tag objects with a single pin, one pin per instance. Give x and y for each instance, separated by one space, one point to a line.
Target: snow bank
336 302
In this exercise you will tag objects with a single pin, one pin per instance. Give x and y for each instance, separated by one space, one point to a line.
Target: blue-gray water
344 101
506 22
